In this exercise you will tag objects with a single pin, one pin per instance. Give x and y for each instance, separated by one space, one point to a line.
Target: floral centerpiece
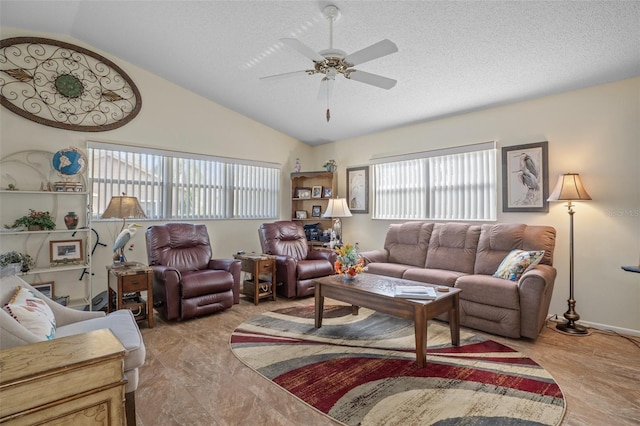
36 221
349 262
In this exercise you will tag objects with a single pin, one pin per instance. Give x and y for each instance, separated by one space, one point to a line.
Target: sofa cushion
123 325
32 312
433 276
490 291
395 270
313 268
203 282
516 263
453 247
496 241
407 243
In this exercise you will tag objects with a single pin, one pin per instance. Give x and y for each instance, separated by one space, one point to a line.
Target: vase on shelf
71 220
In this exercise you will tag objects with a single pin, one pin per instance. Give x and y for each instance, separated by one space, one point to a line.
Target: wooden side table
132 280
263 281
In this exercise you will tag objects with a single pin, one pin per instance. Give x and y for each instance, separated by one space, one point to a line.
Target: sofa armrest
166 290
379 256
535 289
286 274
232 266
322 254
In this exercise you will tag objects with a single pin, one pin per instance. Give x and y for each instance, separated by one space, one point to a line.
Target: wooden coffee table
377 292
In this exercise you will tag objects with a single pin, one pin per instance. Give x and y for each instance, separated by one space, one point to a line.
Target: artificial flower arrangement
349 261
41 220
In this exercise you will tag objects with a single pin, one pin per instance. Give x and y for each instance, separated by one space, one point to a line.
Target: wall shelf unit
72 277
308 181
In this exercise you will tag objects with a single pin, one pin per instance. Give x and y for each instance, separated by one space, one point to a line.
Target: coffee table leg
319 305
454 320
420 320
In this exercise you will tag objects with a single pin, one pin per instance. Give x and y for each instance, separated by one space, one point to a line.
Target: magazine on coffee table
415 292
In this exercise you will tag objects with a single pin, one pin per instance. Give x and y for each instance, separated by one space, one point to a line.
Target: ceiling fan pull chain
328 115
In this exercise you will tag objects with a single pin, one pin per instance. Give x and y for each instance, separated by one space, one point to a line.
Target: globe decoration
69 162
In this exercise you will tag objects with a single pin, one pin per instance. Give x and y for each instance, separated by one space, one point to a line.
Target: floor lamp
337 208
569 188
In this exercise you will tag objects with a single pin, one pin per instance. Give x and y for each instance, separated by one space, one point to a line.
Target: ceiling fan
332 62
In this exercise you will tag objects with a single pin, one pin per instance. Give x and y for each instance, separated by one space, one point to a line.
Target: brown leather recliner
186 281
296 264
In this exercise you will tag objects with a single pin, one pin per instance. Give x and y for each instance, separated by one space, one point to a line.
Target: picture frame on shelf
525 178
303 193
327 192
64 251
316 211
316 191
46 288
358 189
301 214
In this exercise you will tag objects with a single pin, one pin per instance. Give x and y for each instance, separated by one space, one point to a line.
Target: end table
125 285
258 265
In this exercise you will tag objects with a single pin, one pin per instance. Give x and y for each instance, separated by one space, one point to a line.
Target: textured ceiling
453 57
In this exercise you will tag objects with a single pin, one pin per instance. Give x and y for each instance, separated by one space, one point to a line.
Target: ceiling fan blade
372 79
377 50
303 49
287 75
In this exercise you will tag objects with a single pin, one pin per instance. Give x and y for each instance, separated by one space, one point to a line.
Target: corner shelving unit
309 180
16 203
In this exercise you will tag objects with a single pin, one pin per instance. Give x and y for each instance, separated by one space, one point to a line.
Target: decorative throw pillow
517 262
32 312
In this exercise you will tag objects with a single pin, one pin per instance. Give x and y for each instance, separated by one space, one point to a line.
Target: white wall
594 132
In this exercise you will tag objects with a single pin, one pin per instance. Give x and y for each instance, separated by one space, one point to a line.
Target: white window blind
174 185
453 184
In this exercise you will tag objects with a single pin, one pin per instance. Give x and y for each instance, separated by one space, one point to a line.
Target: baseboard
603 327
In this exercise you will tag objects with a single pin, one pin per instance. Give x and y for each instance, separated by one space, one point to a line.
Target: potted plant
330 165
36 221
13 257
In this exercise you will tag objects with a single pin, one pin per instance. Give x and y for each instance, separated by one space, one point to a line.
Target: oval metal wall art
65 86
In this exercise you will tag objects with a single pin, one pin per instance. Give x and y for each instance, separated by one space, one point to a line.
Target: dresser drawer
134 283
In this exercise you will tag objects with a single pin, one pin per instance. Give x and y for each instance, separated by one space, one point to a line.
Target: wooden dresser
70 380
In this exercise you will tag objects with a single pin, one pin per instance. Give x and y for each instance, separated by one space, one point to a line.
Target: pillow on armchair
32 312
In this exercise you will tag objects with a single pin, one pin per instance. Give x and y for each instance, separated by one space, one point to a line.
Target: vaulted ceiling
453 57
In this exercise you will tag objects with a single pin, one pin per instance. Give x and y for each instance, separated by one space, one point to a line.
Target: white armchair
69 322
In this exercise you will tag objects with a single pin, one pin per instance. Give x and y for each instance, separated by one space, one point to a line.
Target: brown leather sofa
296 264
186 281
466 257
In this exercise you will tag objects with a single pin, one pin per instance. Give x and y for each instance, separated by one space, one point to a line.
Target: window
452 184
175 185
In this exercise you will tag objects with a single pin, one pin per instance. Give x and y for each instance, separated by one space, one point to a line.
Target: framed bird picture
525 178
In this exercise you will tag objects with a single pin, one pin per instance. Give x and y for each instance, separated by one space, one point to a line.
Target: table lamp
569 188
123 207
337 208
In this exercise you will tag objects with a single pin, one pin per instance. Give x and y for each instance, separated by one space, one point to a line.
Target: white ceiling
454 56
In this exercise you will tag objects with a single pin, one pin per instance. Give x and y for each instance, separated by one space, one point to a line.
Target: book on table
415 292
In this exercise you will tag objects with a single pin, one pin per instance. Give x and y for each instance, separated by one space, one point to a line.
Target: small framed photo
315 211
303 193
327 193
301 214
316 192
45 288
63 251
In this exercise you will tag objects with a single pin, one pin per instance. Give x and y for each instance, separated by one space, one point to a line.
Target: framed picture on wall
525 178
358 189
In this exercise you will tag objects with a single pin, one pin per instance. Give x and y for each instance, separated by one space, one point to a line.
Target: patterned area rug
361 370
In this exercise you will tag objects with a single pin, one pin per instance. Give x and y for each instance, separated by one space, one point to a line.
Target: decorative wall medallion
65 86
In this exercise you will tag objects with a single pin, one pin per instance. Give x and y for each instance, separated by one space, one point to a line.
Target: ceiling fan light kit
331 62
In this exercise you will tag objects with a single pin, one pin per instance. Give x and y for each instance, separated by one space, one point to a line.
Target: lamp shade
337 207
569 188
124 207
